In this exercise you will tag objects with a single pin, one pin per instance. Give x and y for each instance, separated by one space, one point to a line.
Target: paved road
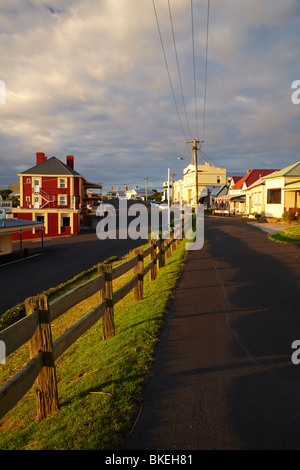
223 376
62 259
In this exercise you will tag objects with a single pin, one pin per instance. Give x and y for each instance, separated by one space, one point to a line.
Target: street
223 377
62 259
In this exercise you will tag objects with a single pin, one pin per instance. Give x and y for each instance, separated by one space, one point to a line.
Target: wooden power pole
195 148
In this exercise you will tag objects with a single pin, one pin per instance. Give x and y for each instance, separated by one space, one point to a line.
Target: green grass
288 235
99 381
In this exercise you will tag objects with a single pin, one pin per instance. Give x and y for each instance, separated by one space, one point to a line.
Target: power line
205 79
167 67
195 90
178 68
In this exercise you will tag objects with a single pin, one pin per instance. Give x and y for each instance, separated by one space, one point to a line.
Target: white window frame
62 197
62 183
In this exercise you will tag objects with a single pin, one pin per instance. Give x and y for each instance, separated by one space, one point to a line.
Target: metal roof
294 186
51 166
14 225
292 170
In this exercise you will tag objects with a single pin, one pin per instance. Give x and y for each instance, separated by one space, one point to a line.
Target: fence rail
35 327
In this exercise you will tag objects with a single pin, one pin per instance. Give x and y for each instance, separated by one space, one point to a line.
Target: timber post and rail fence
35 327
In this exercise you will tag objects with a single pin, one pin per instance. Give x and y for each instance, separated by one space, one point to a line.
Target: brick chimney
70 161
40 157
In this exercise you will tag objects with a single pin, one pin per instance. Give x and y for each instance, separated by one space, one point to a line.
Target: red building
54 193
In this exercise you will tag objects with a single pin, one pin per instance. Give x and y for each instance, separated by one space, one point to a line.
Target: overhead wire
205 76
178 68
194 68
194 72
167 67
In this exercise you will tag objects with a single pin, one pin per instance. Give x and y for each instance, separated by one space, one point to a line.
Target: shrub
289 215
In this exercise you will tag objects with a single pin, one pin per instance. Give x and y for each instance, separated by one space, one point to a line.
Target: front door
36 202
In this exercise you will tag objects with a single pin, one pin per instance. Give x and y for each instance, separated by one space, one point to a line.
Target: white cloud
89 78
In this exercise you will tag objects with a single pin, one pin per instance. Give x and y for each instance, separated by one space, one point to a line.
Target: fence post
139 271
153 258
46 383
168 250
173 244
102 290
162 261
108 323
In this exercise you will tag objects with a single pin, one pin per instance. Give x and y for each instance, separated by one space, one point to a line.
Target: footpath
222 377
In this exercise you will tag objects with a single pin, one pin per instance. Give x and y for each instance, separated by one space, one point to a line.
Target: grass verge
99 382
288 235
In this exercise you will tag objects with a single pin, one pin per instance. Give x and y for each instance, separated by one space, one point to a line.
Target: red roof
235 179
251 177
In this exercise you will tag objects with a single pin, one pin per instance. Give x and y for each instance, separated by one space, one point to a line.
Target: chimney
70 161
40 157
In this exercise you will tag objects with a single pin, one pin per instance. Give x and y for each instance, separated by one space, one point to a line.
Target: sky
124 85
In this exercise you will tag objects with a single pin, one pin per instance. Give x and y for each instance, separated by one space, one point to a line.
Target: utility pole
195 148
172 188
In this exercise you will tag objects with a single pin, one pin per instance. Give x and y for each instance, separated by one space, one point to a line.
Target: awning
15 225
230 197
294 186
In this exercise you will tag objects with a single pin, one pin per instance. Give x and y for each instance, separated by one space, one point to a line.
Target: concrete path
223 377
269 227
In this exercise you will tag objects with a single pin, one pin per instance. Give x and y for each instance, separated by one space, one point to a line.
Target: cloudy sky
92 79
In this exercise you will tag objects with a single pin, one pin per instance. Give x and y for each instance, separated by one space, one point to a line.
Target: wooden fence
35 327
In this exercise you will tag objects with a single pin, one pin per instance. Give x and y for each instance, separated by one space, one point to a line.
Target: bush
289 215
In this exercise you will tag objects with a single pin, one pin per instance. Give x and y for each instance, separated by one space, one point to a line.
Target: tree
5 193
157 196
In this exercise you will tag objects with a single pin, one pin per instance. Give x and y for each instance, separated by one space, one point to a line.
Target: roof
51 166
229 197
292 170
14 225
251 177
214 190
258 182
235 179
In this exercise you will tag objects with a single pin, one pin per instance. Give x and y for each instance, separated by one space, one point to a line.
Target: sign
5 205
2 214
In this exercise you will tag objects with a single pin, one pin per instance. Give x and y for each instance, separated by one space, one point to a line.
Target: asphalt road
61 260
223 377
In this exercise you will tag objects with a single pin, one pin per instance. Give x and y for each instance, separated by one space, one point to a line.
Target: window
65 220
274 196
259 199
218 179
63 200
62 183
27 198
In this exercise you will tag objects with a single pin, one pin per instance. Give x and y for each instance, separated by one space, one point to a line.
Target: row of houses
53 196
135 193
265 192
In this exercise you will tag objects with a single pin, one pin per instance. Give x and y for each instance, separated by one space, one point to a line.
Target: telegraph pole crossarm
195 148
